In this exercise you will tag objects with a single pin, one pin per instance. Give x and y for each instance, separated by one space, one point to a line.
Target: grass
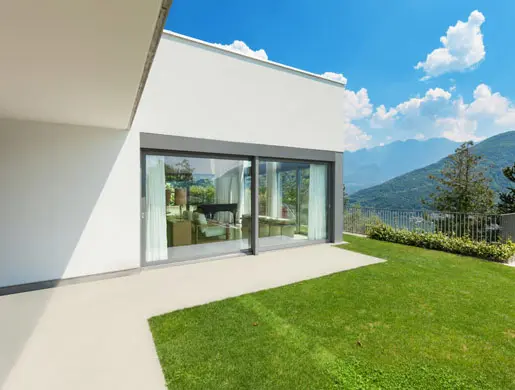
424 319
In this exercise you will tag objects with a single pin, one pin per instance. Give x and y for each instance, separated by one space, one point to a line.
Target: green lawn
423 319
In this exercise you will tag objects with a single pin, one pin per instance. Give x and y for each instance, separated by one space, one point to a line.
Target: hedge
497 251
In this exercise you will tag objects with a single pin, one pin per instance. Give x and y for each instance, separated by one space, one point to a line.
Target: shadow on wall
70 200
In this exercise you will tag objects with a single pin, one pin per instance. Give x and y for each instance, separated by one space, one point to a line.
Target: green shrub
498 251
356 220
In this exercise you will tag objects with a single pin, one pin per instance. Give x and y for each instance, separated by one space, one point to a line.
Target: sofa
269 227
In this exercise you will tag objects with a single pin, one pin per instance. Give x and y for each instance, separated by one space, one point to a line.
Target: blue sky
465 90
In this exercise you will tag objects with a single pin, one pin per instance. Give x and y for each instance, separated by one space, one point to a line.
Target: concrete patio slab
95 335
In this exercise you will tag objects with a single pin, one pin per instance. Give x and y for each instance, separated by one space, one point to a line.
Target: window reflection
201 207
292 202
195 207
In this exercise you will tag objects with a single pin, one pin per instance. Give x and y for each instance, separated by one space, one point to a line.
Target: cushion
214 231
275 230
200 218
288 231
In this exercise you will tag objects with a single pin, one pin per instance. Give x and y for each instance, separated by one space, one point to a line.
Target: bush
356 220
500 252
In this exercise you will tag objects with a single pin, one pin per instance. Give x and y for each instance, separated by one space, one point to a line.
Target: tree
181 172
507 199
462 185
345 197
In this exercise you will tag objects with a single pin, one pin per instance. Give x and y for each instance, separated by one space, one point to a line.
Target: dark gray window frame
197 147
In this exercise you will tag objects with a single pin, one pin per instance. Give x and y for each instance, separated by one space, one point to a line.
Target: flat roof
259 61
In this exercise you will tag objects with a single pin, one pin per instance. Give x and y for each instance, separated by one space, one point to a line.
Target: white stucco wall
69 201
194 90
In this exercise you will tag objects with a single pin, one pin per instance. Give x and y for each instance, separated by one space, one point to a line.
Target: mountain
368 167
406 191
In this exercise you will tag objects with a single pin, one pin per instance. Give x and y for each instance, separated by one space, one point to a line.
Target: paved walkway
95 335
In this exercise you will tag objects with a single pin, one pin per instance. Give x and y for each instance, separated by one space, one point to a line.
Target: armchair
206 231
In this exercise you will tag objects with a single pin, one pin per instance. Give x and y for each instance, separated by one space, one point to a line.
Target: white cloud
432 101
356 105
353 137
335 77
437 93
507 120
460 127
431 98
383 118
462 48
439 114
242 48
492 105
436 114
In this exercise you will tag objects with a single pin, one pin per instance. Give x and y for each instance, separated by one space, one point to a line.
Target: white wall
197 91
69 201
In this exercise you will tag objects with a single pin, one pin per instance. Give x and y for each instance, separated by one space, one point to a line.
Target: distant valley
368 167
405 190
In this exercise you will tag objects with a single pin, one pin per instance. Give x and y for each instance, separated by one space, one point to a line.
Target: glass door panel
292 203
196 207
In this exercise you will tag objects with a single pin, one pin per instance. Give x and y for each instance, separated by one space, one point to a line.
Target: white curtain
245 191
317 213
242 199
155 208
227 191
230 188
223 189
273 190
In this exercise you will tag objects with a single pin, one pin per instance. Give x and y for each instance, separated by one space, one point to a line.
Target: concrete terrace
95 335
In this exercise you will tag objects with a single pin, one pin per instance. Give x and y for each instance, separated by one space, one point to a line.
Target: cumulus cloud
435 114
493 105
507 120
459 127
242 48
413 110
434 98
462 48
356 106
354 137
439 114
335 77
382 117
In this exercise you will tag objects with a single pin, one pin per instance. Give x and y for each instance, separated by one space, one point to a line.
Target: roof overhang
77 62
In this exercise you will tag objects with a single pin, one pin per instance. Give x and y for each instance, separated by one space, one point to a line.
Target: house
123 148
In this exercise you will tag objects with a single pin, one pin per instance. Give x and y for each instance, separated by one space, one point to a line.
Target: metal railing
508 226
479 227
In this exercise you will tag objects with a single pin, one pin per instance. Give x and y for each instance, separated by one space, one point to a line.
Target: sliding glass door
195 207
293 203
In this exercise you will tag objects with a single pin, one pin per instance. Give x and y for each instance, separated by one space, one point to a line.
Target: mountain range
407 190
368 167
